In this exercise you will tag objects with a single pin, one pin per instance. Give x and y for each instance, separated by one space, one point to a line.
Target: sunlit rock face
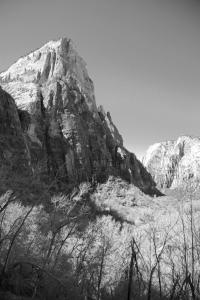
175 164
67 136
56 61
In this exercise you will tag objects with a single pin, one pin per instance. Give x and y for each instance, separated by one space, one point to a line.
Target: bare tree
158 256
14 238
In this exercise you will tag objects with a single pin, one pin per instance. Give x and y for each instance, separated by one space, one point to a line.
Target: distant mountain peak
175 163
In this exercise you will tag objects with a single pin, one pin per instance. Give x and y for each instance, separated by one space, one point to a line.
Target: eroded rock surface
65 134
175 164
14 153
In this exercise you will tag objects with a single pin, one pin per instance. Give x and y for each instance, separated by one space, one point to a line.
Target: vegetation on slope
103 242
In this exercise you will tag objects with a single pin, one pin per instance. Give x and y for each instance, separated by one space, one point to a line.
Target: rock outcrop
175 164
65 135
13 148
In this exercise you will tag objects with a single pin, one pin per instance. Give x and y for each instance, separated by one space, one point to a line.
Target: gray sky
143 56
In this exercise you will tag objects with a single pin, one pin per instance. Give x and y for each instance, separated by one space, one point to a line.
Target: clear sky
143 56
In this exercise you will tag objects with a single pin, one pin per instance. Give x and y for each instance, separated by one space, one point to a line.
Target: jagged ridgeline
56 130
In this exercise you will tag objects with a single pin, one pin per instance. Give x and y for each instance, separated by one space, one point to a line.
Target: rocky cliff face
12 141
175 164
15 158
62 132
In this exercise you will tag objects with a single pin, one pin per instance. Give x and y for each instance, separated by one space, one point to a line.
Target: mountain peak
53 44
55 61
64 132
174 164
50 46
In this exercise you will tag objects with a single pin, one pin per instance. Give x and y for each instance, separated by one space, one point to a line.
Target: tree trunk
130 277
